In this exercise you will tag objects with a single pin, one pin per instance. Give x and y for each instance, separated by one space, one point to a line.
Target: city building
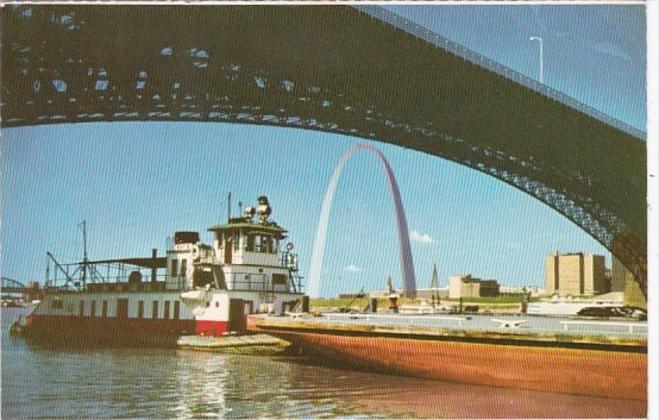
466 286
575 274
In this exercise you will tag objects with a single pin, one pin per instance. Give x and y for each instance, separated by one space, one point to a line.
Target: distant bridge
358 71
12 286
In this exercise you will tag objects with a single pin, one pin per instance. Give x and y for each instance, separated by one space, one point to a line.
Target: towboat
205 289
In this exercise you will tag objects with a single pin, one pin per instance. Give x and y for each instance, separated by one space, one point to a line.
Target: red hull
581 371
107 331
211 328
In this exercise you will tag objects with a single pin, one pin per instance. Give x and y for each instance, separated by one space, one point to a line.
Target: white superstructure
207 289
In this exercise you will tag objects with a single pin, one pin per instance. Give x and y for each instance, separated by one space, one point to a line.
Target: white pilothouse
243 273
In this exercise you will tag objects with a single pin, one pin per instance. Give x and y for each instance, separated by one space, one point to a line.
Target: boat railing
629 325
390 319
72 277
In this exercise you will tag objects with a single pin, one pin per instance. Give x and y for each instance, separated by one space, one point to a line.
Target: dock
257 344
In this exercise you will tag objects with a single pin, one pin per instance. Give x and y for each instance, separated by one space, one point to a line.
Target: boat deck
473 327
496 323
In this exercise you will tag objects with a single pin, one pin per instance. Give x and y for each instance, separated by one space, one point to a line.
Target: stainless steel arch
404 249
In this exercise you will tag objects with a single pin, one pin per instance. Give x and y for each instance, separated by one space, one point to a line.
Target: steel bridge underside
353 71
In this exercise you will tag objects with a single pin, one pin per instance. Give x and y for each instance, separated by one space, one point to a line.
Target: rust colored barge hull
600 370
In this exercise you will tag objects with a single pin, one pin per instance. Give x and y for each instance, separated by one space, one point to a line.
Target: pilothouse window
265 244
261 243
235 241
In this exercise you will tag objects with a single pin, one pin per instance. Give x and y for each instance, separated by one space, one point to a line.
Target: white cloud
422 238
352 268
612 50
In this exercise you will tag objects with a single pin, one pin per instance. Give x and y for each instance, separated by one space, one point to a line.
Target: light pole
537 38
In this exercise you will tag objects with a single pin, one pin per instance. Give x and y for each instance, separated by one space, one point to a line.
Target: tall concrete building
575 274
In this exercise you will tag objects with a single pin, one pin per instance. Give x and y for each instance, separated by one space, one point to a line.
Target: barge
609 364
206 290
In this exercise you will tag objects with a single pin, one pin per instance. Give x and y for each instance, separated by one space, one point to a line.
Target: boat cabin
246 255
251 252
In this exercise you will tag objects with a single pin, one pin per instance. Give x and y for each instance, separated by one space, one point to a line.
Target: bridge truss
11 286
362 72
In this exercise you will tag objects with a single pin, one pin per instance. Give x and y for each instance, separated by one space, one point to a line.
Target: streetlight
537 38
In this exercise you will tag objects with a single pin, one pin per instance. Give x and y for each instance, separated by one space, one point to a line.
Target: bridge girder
358 72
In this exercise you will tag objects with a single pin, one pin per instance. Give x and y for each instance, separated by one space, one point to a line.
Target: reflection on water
37 382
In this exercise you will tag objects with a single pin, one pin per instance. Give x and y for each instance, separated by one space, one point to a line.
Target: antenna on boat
229 207
47 272
85 260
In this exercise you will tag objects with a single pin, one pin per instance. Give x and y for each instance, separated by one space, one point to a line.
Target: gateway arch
404 249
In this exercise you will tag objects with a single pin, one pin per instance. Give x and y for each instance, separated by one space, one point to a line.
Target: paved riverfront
165 383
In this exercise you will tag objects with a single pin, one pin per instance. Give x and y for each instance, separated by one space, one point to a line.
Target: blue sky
137 183
595 54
